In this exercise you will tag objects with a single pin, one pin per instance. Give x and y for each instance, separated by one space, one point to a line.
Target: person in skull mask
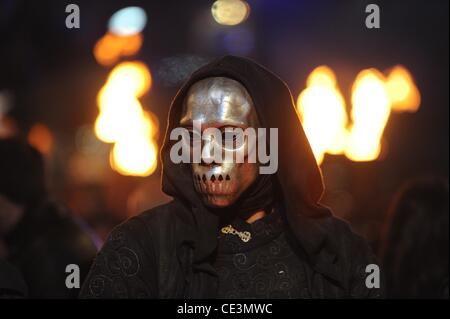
231 232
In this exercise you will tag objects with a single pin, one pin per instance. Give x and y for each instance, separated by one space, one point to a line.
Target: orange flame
123 121
370 112
324 117
322 110
403 93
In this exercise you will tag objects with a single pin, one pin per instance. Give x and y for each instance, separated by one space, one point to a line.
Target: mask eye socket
232 138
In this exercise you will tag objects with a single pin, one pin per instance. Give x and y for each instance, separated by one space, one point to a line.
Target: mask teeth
213 178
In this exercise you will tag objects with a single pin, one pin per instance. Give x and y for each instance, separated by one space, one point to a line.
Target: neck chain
245 236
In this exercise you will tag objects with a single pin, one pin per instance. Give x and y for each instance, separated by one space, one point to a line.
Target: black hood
298 178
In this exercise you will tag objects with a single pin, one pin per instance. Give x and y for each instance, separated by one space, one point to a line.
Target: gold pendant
245 236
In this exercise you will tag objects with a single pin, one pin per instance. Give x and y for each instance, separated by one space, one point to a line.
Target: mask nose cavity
227 177
220 178
213 178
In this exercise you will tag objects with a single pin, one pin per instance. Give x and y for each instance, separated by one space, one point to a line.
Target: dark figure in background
231 232
12 284
415 248
37 236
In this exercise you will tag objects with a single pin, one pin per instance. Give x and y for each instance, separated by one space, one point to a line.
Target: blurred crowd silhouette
60 196
39 238
415 242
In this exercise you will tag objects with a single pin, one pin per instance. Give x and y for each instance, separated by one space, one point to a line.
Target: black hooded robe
168 251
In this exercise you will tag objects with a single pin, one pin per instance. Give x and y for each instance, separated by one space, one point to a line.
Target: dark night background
53 78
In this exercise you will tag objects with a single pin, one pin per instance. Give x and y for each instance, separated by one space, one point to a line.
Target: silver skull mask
220 102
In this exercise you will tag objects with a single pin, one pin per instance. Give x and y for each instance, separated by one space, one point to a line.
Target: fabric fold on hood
298 179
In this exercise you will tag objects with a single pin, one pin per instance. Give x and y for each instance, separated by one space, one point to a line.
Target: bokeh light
110 48
230 12
41 138
127 21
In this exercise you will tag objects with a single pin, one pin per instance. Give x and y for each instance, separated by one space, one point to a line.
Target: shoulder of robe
342 236
354 255
161 219
129 261
150 227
